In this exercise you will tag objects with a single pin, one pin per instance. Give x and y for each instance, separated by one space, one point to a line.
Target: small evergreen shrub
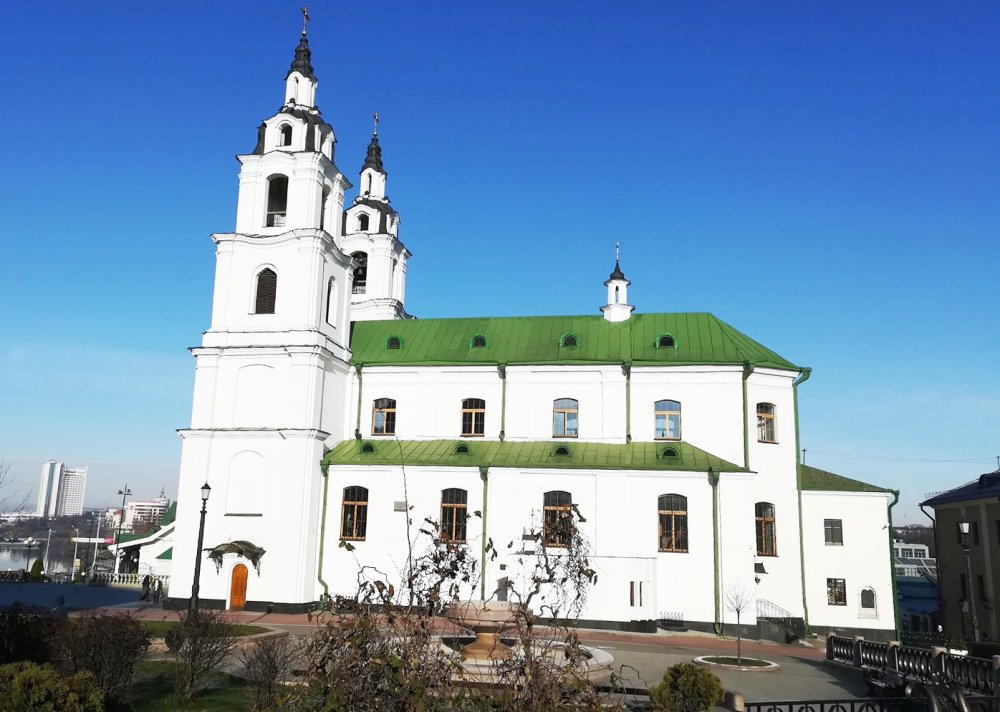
686 687
36 571
26 636
28 687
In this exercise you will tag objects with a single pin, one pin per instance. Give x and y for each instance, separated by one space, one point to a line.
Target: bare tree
738 599
6 480
200 644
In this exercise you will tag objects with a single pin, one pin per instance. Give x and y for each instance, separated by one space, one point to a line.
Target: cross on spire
305 18
617 251
375 119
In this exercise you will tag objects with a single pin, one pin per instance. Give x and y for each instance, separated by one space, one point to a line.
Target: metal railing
128 579
980 676
873 704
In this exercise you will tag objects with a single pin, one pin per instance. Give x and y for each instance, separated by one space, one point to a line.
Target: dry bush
200 644
268 665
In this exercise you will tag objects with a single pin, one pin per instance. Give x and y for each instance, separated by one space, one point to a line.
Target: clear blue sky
823 176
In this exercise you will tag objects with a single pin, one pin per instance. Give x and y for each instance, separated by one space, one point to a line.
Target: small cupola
617 308
373 175
300 82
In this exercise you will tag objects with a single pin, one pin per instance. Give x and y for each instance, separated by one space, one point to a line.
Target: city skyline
822 179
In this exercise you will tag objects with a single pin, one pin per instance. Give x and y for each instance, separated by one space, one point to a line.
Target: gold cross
305 17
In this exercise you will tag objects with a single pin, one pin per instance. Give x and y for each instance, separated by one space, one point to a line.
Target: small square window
836 592
833 532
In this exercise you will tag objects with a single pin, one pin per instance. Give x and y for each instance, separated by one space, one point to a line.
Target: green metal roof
701 338
169 516
823 481
126 537
167 555
537 454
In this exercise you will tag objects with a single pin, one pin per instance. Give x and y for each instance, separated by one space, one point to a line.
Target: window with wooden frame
765 423
473 418
267 291
565 412
673 522
384 416
766 544
667 420
836 592
454 512
354 514
557 520
833 532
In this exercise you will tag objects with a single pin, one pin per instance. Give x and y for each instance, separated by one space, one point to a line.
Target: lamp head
205 491
963 526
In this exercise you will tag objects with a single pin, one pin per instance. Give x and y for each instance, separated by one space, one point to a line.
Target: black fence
872 704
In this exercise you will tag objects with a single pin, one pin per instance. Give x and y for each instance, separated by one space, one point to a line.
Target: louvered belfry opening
267 291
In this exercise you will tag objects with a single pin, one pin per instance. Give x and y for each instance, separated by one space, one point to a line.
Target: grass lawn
745 662
158 629
153 691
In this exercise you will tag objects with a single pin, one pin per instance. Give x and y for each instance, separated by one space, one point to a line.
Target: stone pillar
735 701
937 663
892 655
858 639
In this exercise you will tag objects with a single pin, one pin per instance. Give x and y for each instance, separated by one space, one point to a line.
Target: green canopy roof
538 454
820 480
170 515
167 555
700 338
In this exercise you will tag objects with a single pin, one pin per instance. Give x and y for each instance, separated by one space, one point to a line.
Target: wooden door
238 589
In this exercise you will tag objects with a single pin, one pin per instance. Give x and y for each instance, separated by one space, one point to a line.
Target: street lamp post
970 589
196 586
72 566
30 541
118 539
93 564
48 540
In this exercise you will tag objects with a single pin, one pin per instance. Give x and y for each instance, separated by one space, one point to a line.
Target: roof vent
477 342
670 452
562 451
569 341
462 449
393 342
368 449
666 341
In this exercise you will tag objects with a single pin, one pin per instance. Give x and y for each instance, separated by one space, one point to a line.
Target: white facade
61 490
280 385
145 513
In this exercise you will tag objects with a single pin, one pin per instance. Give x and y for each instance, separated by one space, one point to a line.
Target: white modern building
61 490
146 514
323 413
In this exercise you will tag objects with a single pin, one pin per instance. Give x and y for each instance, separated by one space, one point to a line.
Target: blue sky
823 176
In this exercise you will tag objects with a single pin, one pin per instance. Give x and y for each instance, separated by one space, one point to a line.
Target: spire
617 274
303 57
374 158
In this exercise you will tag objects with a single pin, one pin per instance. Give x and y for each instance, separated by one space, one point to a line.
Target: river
17 556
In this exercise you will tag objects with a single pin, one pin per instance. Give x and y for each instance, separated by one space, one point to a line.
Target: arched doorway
238 588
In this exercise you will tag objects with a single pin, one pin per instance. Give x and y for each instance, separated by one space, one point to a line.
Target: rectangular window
836 592
564 418
354 515
833 531
667 420
384 417
765 520
765 423
454 515
673 522
473 417
975 533
557 522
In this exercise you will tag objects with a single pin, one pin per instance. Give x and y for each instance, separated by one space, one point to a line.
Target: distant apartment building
143 515
61 490
913 560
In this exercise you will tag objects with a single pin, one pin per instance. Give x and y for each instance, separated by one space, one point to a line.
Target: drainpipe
713 479
484 471
357 428
322 529
937 548
892 565
502 371
802 378
747 370
627 372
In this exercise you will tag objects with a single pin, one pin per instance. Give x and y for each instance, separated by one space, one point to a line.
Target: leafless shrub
268 664
201 643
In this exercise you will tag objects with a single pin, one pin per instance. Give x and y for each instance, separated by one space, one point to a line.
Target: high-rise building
61 489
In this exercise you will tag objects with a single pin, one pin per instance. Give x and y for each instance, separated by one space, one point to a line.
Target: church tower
617 308
371 237
271 374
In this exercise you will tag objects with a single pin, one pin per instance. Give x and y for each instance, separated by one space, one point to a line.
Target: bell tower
617 308
371 237
271 375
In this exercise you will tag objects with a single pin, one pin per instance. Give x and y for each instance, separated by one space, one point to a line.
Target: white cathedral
324 413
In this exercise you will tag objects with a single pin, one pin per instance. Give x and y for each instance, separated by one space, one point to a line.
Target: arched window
616 295
393 342
569 341
267 291
354 514
384 417
673 521
360 273
868 598
277 201
454 512
557 518
473 417
363 222
323 206
765 423
331 301
665 341
766 544
478 342
667 420
285 135
564 418
561 451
